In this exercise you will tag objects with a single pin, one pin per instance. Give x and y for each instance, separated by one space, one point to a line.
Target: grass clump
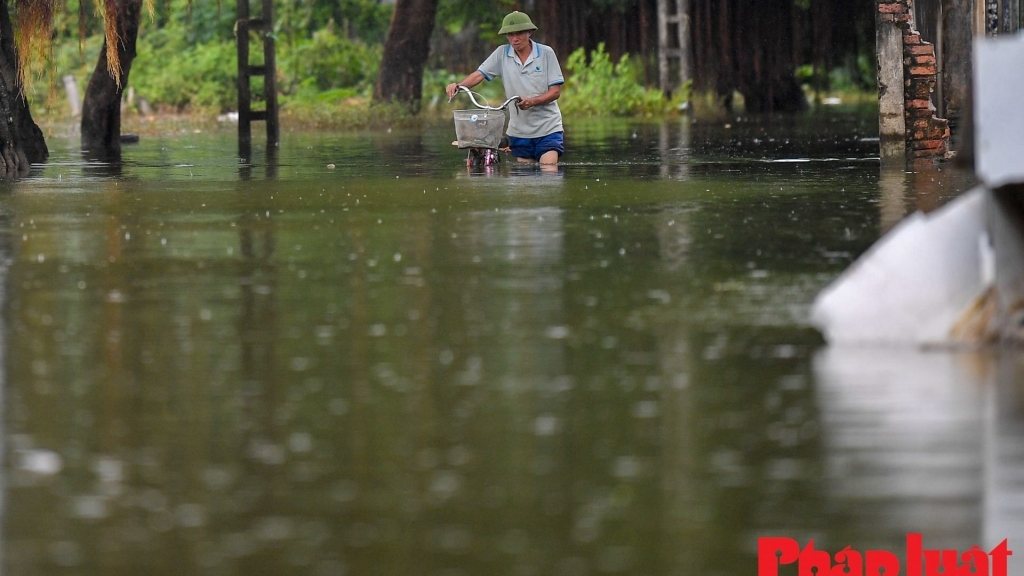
599 87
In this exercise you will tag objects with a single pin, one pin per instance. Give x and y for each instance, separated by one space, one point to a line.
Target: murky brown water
401 366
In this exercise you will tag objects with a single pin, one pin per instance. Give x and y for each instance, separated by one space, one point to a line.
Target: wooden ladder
673 47
246 115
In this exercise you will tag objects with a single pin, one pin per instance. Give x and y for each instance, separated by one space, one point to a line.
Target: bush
325 79
170 73
603 88
327 62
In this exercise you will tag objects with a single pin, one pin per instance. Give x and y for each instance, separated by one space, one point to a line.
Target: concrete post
892 128
675 12
663 66
683 9
74 98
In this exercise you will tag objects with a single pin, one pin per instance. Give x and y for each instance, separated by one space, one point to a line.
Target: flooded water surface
360 356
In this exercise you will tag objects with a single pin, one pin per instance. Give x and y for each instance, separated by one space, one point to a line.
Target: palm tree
101 111
21 140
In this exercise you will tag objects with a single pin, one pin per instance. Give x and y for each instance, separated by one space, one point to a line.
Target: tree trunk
406 49
749 47
21 141
101 111
625 26
957 71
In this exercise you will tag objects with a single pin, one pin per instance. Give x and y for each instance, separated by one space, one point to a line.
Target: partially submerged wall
926 135
954 276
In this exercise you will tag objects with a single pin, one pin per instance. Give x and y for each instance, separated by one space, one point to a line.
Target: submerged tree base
21 140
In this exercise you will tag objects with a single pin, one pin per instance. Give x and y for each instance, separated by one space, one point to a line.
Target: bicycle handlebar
484 106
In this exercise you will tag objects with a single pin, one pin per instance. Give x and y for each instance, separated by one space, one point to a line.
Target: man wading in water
529 70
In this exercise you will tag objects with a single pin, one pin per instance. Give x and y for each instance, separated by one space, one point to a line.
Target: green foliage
855 75
434 97
328 57
865 76
196 22
601 87
171 72
47 94
365 20
202 22
434 82
455 15
66 20
804 73
327 62
350 113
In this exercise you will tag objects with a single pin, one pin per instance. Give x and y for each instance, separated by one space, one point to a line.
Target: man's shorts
534 148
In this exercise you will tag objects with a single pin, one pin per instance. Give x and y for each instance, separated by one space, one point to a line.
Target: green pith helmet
516 22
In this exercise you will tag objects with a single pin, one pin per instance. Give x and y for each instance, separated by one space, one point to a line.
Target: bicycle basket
479 128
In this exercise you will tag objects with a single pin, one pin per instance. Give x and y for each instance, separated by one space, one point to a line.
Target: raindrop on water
557 332
43 462
545 425
66 553
300 442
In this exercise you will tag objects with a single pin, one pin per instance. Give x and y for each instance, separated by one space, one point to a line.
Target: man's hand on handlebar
453 89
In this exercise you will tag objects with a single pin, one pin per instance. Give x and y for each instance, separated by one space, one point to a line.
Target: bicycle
480 131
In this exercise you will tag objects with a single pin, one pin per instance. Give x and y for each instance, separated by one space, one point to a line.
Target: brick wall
927 135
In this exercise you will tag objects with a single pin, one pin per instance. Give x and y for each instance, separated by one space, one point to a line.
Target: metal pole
270 74
940 58
244 97
663 46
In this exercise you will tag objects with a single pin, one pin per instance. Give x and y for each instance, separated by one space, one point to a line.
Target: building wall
927 135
